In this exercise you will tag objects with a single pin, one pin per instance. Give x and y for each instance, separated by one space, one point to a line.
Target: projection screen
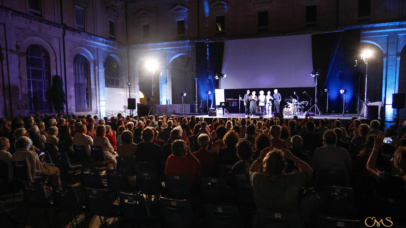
271 62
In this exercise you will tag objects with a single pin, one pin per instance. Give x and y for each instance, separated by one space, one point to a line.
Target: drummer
268 100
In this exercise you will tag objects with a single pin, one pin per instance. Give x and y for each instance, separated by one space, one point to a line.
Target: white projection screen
271 62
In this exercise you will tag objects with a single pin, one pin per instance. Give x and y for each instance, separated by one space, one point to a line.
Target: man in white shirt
81 139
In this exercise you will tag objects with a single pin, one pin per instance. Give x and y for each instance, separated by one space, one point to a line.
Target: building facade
99 47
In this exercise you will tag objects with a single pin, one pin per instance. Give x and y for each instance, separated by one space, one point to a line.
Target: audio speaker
398 100
131 103
212 112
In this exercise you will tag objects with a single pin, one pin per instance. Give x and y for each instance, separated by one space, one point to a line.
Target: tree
56 95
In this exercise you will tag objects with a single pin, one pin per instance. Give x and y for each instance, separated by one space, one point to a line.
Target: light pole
343 92
152 65
315 75
326 91
183 106
207 99
365 56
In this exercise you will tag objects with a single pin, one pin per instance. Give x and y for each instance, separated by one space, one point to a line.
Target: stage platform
241 115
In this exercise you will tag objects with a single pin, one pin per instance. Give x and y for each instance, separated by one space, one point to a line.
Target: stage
241 115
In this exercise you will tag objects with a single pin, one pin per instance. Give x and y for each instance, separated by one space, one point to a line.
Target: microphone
304 92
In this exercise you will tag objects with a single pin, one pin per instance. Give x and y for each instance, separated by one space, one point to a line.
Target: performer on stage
261 102
277 100
247 103
253 103
269 99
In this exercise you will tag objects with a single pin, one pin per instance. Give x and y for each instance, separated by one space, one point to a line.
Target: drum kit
294 108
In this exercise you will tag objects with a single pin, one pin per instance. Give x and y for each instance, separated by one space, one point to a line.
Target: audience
102 141
128 148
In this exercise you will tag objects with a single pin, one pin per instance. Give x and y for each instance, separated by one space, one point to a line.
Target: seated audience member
341 140
296 143
90 130
128 148
111 136
185 127
148 151
276 189
241 168
204 155
311 140
176 133
5 155
182 161
36 165
243 128
65 140
391 185
374 127
120 130
228 155
82 139
276 142
331 157
52 137
102 141
218 142
37 138
262 141
358 141
250 135
167 131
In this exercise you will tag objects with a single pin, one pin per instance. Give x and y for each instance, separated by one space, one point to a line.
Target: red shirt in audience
112 140
183 165
205 157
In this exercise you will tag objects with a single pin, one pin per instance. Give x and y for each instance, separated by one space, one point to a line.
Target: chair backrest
126 165
178 186
91 178
328 222
176 213
277 218
100 202
66 196
244 191
133 207
222 216
60 160
81 153
337 201
97 153
4 171
20 170
215 190
325 177
117 181
149 182
34 194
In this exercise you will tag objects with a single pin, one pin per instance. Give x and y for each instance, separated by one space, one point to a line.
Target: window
311 16
111 73
263 21
81 70
35 8
112 29
220 24
364 10
181 28
145 31
79 18
38 78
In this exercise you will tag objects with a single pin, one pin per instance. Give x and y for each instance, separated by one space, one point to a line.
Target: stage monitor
271 62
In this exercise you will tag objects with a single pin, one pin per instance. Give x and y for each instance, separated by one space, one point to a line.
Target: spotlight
208 92
216 77
315 73
326 90
366 54
343 91
224 76
183 94
151 65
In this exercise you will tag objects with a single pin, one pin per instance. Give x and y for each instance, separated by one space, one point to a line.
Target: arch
82 83
373 43
39 41
402 79
38 78
112 72
176 56
182 79
376 79
83 51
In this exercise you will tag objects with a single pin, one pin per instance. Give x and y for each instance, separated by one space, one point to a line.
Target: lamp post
207 99
365 56
151 65
183 106
326 91
343 92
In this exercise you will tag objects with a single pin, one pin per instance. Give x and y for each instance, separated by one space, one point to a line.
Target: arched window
81 68
111 73
38 78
